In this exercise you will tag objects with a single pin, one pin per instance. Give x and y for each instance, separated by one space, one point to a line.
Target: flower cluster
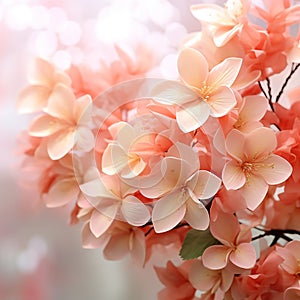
207 164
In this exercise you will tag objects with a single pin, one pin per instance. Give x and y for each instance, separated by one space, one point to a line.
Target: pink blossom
236 246
214 282
225 22
113 199
209 92
253 167
65 124
176 282
179 184
43 78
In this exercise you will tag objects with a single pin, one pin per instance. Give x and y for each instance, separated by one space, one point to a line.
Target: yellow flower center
205 92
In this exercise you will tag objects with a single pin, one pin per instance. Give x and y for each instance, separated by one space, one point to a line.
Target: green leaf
195 242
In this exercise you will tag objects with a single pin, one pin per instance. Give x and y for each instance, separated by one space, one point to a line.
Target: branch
269 97
277 233
293 70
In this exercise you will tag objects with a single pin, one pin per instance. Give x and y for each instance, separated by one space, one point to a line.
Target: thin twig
269 88
269 97
262 89
293 70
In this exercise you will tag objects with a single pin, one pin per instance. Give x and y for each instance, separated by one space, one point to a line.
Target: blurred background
40 254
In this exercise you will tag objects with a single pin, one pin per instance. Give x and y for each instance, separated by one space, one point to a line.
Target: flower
209 94
43 79
180 185
236 246
176 282
65 123
111 198
252 167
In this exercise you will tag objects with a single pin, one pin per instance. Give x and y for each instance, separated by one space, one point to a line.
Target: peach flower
252 166
65 124
236 247
179 185
209 91
43 77
113 199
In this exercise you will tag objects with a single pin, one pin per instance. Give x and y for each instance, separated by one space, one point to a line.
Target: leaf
195 242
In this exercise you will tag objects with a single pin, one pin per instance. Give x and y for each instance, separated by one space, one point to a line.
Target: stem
269 88
277 233
293 70
269 97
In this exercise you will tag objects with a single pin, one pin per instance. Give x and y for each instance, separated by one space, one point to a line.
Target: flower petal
255 149
114 159
254 108
85 140
61 143
96 188
44 125
117 247
202 278
89 241
173 92
82 110
243 256
169 211
33 99
233 176
196 215
254 191
102 217
225 73
221 101
60 103
234 144
204 184
192 67
138 249
62 192
134 211
192 115
275 169
225 228
215 257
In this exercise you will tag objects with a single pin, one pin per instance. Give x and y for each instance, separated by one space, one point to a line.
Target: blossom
131 149
211 281
252 166
112 199
225 22
65 123
179 187
176 282
209 94
236 246
43 78
118 241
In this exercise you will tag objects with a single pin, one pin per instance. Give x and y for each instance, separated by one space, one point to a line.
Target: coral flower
226 22
43 78
65 124
236 246
253 167
209 94
113 199
181 185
